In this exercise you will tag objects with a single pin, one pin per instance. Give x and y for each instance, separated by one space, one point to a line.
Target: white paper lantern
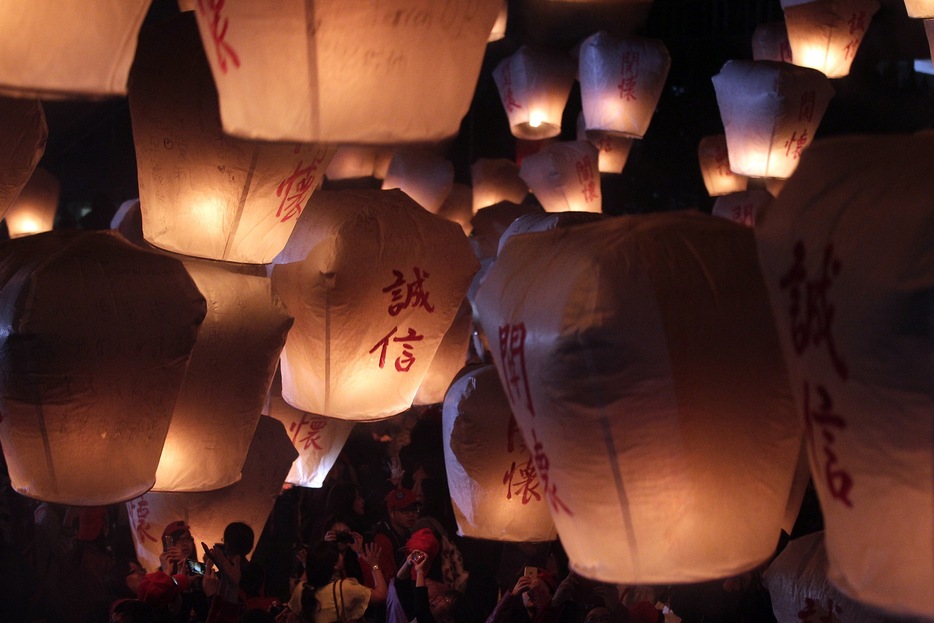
23 133
449 359
848 262
495 180
534 85
643 368
564 177
539 221
621 82
351 162
742 207
68 48
920 8
208 512
499 27
715 167
458 207
613 150
770 112
422 175
374 282
96 338
33 212
770 43
399 71
825 34
495 489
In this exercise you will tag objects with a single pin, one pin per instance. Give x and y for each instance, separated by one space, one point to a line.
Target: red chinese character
509 100
526 484
806 109
140 510
795 145
512 431
630 76
849 50
294 199
541 465
415 294
839 481
405 361
744 214
858 23
586 177
722 158
223 49
512 353
314 431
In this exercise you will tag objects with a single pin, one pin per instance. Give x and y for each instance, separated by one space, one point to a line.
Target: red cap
400 498
174 528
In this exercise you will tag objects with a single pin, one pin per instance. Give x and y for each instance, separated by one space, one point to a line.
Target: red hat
400 498
158 589
424 540
174 528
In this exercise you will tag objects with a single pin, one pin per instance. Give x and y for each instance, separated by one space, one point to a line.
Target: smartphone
418 557
168 541
195 568
531 572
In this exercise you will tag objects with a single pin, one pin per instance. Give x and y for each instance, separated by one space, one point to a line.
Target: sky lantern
491 222
920 8
715 167
825 34
613 149
374 282
458 206
495 180
545 221
534 85
361 75
621 82
498 31
424 176
449 359
742 207
770 43
208 512
87 387
23 134
68 48
33 212
770 112
564 177
642 366
351 162
202 192
854 330
495 489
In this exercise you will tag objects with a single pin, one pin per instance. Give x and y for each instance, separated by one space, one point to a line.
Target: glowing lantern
614 150
56 48
491 222
742 207
499 27
825 34
494 488
538 221
96 338
34 210
128 222
495 180
203 193
920 8
770 112
318 440
361 74
770 43
422 175
458 207
619 345
715 167
23 133
208 512
374 282
449 359
351 162
564 177
621 82
534 86
858 345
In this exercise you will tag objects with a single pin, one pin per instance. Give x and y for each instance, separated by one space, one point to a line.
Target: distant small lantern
457 207
203 193
374 282
207 513
495 488
34 210
68 48
564 177
351 162
920 8
361 76
825 34
499 27
449 359
770 112
742 207
620 355
424 176
495 180
715 167
621 82
613 149
96 338
23 134
534 85
770 43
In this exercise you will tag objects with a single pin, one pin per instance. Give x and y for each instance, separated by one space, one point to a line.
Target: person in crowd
350 545
529 601
178 549
448 606
177 546
391 534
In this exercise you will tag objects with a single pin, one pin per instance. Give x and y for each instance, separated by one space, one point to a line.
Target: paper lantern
499 26
491 222
770 112
613 150
96 338
128 222
495 180
715 167
449 359
458 207
68 48
621 82
374 282
203 193
361 74
564 177
920 8
847 260
228 378
33 212
23 133
422 175
538 221
825 34
492 477
770 43
641 364
351 162
534 86
317 439
208 512
742 207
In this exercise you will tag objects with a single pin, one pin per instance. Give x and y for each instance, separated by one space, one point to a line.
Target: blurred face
186 543
405 518
134 577
340 526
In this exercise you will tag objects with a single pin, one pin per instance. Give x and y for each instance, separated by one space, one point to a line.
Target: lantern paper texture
920 8
534 85
621 82
495 180
422 175
855 331
491 222
374 282
825 34
208 512
564 177
614 150
449 359
770 112
495 491
23 134
33 212
68 48
770 43
458 207
642 366
360 76
204 193
498 31
228 378
96 338
539 221
715 167
351 162
742 207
